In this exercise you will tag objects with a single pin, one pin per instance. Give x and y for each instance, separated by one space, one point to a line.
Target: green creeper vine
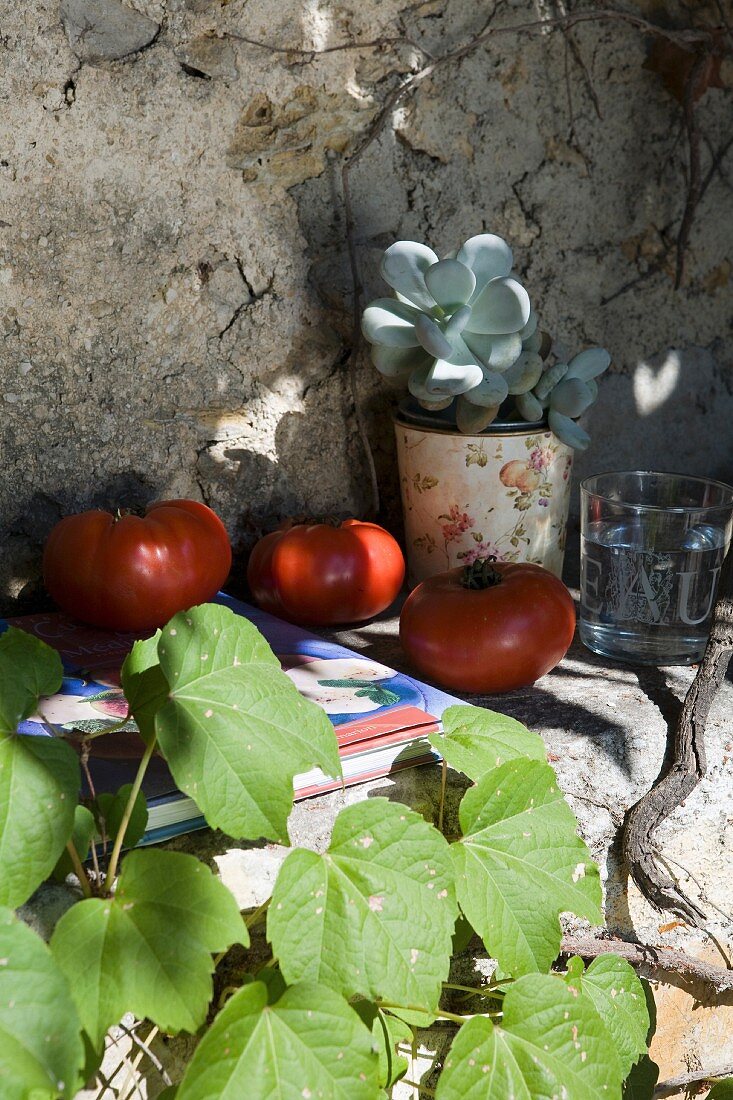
362 936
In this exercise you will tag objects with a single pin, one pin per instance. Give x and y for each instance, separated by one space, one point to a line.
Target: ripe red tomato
488 635
321 575
133 573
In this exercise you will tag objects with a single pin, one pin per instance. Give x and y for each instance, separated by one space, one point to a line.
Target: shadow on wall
638 421
22 590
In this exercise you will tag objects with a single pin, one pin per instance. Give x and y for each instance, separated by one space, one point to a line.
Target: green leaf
39 776
372 916
148 949
520 864
550 1044
28 669
81 838
617 995
111 807
310 1044
640 1083
39 787
235 729
475 740
144 685
722 1091
41 1051
388 1033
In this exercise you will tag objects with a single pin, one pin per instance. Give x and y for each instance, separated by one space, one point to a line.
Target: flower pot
504 492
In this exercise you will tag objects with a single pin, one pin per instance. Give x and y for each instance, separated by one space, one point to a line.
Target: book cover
381 717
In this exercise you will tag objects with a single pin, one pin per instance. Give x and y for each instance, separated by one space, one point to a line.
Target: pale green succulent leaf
589 364
501 307
451 284
41 1051
435 406
549 1044
431 337
490 391
398 362
448 378
567 431
416 384
455 325
488 257
521 863
495 352
404 265
533 342
549 380
523 375
571 397
472 419
390 322
529 408
310 1043
531 327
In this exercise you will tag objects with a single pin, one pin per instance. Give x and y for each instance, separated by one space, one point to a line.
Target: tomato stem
480 574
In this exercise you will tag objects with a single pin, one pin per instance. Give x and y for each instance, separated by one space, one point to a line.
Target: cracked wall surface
175 290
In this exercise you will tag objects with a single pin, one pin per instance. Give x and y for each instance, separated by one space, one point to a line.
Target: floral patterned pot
505 492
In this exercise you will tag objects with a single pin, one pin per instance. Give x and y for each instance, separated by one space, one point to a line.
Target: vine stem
419 1087
137 784
490 990
443 782
86 886
441 1014
254 917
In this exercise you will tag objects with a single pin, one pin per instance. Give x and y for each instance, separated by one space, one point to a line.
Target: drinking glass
652 547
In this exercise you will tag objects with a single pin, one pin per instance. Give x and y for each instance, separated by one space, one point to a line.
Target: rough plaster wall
175 291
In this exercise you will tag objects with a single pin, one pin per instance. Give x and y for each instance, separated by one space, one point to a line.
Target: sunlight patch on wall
316 22
653 386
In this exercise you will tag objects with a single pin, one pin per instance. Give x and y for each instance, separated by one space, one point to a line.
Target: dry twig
655 962
688 765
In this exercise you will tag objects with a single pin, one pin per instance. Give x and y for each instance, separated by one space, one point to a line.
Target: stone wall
175 287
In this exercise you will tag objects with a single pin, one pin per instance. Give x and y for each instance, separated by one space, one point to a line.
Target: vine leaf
475 740
388 1032
28 669
39 776
641 1082
41 1050
375 914
550 1043
81 838
148 949
618 997
520 864
309 1044
111 807
234 729
144 685
722 1091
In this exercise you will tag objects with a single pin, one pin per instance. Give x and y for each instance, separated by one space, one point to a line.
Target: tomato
321 575
129 572
490 627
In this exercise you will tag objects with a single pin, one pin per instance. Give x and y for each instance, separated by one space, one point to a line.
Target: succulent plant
463 328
